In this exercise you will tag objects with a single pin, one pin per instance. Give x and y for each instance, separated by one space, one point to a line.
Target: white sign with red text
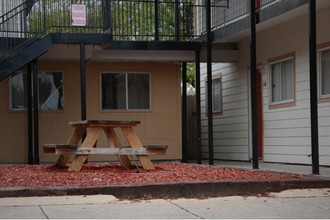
78 15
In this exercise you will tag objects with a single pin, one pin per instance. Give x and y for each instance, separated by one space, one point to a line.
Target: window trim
126 88
321 47
283 103
220 112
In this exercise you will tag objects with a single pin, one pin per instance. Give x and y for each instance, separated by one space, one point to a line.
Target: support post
30 114
35 87
83 81
253 71
209 80
313 87
198 107
83 86
184 113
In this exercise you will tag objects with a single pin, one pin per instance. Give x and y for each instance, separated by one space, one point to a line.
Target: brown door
257 5
260 114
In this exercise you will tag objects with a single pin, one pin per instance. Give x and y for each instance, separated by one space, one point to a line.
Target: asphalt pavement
298 204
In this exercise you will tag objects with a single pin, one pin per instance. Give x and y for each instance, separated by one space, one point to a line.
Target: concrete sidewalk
298 204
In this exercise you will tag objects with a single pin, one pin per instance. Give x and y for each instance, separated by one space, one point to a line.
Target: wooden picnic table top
91 123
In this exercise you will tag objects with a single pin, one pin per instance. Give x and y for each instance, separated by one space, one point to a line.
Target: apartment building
108 63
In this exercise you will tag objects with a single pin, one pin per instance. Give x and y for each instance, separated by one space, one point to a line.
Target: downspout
198 108
253 66
313 86
209 80
184 113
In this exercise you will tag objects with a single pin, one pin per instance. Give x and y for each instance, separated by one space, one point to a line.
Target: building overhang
101 48
65 52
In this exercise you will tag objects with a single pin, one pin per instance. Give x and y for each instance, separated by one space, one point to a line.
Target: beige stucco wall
159 125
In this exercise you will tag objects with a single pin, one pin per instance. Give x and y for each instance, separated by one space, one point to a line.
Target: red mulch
101 174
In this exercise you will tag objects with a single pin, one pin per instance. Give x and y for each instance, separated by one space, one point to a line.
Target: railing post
24 22
156 20
177 20
45 20
107 16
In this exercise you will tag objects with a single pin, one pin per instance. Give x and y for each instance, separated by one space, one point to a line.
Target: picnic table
115 147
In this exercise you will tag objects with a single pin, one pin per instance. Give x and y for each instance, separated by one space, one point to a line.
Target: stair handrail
11 45
14 9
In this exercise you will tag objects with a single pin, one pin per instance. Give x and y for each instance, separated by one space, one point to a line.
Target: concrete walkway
299 204
278 167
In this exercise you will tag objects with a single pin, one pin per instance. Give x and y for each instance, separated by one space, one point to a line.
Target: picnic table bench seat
73 149
51 148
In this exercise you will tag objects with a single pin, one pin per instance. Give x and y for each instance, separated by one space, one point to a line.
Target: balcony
23 22
30 28
232 24
123 23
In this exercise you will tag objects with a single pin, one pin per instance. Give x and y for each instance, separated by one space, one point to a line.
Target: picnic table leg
135 142
74 139
89 142
115 142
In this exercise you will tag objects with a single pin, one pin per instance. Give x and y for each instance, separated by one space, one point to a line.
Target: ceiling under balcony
71 52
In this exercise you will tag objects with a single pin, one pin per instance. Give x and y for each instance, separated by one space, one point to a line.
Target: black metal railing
22 22
222 16
135 20
128 19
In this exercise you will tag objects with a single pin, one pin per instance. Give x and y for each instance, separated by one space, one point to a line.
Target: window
325 73
282 81
50 91
125 90
216 95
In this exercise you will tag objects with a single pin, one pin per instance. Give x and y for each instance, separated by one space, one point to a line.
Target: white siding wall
231 127
287 130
